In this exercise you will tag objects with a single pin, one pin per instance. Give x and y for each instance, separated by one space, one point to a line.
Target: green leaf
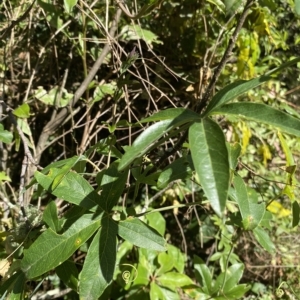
99 264
237 292
61 173
233 275
18 291
178 169
23 125
252 213
73 188
102 90
157 221
296 213
69 5
263 114
112 186
186 115
231 6
166 263
9 283
50 216
210 158
4 177
146 139
204 276
234 154
173 280
264 239
22 111
141 235
51 249
297 7
5 136
238 88
156 292
135 32
178 258
68 273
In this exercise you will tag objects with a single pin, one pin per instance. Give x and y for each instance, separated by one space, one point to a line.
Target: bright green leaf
233 275
5 136
166 263
69 5
73 188
173 280
141 235
210 158
135 32
4 177
22 111
203 274
157 221
156 292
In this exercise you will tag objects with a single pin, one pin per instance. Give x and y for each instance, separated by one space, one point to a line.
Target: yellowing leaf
246 132
264 150
276 208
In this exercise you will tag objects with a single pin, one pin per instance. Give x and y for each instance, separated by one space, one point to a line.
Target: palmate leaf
210 158
51 249
263 114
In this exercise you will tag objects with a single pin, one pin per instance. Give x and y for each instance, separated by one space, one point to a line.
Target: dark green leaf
99 265
210 158
141 235
179 169
262 113
296 212
68 273
112 186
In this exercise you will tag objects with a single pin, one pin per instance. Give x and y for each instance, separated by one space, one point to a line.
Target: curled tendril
127 274
280 292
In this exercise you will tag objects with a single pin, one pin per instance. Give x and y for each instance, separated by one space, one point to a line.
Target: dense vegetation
149 150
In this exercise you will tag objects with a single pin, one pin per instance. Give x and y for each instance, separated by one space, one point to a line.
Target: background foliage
149 150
